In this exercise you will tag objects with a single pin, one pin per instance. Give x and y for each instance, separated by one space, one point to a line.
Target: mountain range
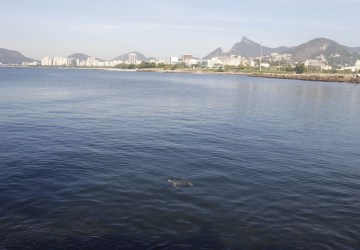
246 48
124 57
333 52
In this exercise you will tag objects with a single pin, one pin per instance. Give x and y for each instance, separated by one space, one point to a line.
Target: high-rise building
60 61
132 58
90 61
72 62
46 61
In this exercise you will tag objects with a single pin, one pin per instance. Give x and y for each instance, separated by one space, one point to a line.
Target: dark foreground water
85 157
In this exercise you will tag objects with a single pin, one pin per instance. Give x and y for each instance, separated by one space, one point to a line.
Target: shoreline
337 77
348 78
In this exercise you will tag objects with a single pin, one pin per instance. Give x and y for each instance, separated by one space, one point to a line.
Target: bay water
85 158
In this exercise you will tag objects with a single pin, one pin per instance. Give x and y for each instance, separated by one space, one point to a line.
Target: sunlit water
85 157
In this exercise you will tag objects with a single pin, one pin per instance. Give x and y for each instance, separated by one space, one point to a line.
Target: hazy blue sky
162 28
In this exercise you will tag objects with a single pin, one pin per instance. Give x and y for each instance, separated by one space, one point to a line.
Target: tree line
298 69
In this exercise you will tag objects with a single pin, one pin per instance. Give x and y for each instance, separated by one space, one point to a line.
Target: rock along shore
350 78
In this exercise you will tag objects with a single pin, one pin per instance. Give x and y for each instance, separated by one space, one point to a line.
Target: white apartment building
174 60
215 62
46 61
318 63
70 62
191 62
265 65
280 57
60 61
90 61
33 63
357 65
351 68
232 60
132 58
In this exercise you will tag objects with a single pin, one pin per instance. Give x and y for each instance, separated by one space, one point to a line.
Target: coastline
327 77
348 78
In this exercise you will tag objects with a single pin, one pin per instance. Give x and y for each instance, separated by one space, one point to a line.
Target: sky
164 28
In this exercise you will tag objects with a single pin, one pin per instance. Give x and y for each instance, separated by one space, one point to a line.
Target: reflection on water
85 158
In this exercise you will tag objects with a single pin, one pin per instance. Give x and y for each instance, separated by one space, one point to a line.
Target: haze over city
164 28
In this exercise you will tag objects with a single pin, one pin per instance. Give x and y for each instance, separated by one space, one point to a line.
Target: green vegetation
125 66
220 68
151 65
299 69
289 69
147 65
142 65
245 69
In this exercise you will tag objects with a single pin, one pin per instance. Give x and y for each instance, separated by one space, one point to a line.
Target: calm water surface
85 157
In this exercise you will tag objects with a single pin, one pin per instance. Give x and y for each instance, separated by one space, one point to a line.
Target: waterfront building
46 61
90 61
232 60
132 58
174 60
192 62
72 62
82 63
318 63
357 65
60 61
250 62
265 65
215 62
350 68
33 63
115 62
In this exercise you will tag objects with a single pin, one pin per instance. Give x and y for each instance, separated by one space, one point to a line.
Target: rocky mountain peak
244 39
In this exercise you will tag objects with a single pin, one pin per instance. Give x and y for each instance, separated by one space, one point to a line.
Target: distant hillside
246 48
139 57
82 57
216 53
356 49
336 54
13 57
249 48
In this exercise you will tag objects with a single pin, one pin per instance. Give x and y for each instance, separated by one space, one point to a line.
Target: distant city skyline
163 28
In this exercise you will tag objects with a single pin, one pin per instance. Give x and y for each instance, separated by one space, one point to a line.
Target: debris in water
176 183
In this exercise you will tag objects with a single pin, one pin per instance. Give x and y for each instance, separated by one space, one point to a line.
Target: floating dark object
176 183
